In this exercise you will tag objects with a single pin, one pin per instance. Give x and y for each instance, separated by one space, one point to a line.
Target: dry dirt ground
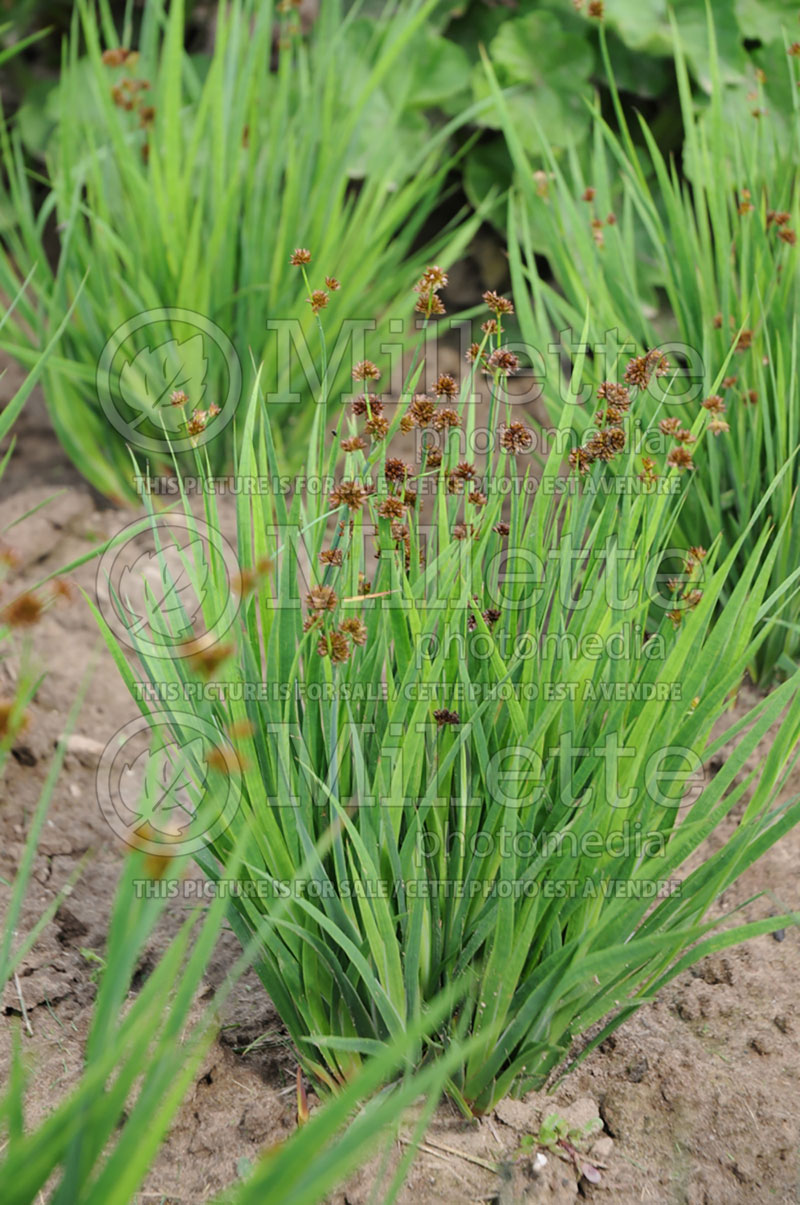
699 1095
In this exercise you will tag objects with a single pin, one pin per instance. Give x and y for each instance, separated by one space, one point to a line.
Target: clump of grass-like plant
495 684
700 256
181 183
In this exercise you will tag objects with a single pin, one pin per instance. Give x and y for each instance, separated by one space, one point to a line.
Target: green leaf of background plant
147 381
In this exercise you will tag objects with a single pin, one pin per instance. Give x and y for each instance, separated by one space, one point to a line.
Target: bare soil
699 1094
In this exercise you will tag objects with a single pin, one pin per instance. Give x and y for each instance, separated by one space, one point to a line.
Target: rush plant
494 687
702 261
181 184
144 1048
145 1045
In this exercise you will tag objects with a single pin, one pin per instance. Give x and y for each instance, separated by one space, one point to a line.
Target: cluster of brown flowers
352 494
429 302
118 56
605 443
395 495
127 93
27 608
502 362
198 422
318 298
596 223
490 616
335 642
780 219
499 362
248 580
444 716
715 406
687 597
641 369
610 439
24 611
199 419
678 457
126 96
516 438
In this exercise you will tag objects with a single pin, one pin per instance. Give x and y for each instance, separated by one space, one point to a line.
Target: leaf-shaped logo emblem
162 785
148 381
161 591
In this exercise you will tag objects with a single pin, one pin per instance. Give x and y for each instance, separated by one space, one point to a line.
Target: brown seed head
377 427
617 395
349 494
444 716
422 409
503 362
395 470
355 444
335 646
321 598
497 304
637 372
445 417
366 403
431 303
392 508
299 257
196 425
433 278
445 386
356 629
318 300
657 362
680 458
22 612
581 459
365 370
516 438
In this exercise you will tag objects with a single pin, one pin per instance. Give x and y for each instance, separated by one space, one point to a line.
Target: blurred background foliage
552 56
547 52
